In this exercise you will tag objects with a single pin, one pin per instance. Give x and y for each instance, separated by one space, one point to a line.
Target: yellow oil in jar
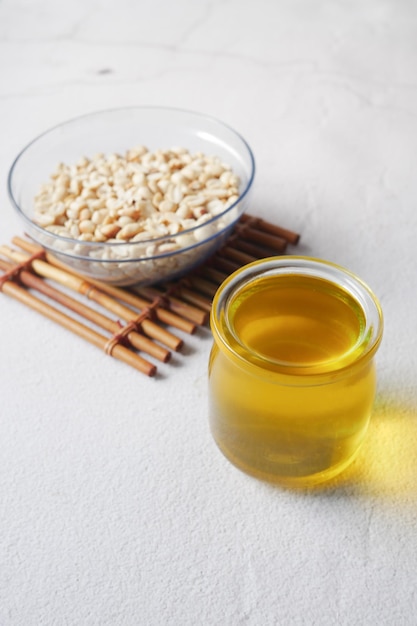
297 320
290 398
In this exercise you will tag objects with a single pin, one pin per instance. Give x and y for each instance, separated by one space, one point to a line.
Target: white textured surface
116 509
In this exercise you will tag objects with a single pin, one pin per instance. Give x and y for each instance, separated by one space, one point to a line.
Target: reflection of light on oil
386 465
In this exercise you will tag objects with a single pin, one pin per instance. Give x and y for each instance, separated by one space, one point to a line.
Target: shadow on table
386 465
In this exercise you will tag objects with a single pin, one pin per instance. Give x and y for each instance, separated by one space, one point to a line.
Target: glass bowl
116 131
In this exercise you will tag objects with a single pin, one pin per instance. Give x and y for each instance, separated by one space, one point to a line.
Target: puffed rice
134 198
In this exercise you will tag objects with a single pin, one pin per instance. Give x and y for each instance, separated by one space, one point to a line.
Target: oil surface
281 428
297 320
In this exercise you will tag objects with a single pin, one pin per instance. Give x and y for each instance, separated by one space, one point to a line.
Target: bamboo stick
138 341
272 241
211 273
237 255
194 314
117 351
225 265
250 248
204 286
194 298
267 227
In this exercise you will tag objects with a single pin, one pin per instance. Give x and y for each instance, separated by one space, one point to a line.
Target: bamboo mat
140 324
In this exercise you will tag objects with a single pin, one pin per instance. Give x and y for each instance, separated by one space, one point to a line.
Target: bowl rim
151 240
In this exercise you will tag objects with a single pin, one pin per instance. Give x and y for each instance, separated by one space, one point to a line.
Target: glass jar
291 374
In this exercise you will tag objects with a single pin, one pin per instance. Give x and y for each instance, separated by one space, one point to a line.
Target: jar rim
303 266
